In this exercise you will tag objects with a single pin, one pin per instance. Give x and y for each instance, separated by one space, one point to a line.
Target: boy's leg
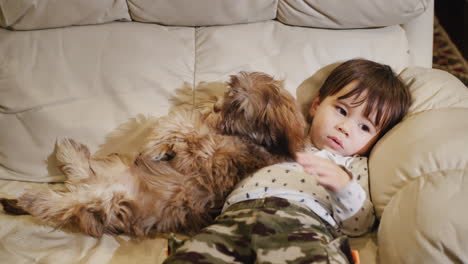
225 241
302 250
291 234
274 232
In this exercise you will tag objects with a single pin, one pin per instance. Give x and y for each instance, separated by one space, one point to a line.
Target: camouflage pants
269 230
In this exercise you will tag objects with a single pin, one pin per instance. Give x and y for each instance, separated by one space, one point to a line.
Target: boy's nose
343 128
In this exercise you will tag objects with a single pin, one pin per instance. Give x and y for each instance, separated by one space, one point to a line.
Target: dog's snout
169 155
216 108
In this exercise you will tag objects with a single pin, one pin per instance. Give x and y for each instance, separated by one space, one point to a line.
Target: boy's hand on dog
329 175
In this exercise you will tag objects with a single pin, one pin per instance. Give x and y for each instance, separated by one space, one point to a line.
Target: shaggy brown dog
189 163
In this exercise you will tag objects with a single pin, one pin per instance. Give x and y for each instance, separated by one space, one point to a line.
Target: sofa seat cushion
25 240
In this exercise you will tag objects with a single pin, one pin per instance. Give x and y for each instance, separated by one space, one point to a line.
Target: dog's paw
73 158
11 206
70 151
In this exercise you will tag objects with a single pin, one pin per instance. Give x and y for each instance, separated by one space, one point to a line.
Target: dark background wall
453 16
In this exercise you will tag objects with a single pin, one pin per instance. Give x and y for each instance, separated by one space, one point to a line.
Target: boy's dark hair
386 93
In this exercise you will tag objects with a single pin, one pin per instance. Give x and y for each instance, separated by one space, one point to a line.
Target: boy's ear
314 106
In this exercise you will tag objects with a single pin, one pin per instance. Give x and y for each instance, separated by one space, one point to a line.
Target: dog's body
188 164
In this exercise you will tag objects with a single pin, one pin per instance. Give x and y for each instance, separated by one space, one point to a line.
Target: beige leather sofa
82 68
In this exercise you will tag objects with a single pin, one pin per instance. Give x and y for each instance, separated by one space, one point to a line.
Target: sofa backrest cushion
83 82
310 13
341 14
39 14
338 14
202 12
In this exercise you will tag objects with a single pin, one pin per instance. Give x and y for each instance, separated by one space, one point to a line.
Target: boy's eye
341 110
365 128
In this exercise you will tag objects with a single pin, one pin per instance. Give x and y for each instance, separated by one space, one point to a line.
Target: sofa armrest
419 32
425 222
419 175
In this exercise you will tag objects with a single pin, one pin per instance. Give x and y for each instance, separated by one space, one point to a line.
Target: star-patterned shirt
349 211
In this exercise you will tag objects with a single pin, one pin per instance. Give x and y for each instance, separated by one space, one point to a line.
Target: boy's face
340 126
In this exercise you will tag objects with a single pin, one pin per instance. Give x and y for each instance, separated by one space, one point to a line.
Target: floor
446 55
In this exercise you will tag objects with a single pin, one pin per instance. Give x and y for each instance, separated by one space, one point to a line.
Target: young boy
298 212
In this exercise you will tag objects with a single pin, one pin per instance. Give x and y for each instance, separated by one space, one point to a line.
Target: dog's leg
184 209
62 210
73 159
171 201
91 212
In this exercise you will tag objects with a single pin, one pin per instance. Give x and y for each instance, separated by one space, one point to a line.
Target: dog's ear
288 125
284 121
233 81
258 106
240 81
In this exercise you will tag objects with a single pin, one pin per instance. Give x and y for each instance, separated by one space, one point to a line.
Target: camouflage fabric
269 230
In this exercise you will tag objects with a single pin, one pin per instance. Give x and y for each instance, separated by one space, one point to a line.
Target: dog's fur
190 161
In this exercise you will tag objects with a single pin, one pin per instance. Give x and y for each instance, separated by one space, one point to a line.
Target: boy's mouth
336 143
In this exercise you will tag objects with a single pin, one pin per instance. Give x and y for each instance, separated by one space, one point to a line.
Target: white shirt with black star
350 210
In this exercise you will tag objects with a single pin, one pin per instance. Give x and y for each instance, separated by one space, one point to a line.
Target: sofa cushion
350 14
414 146
291 53
202 12
425 220
82 82
418 175
33 14
310 13
24 239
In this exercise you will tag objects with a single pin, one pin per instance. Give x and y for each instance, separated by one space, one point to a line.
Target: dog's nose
216 108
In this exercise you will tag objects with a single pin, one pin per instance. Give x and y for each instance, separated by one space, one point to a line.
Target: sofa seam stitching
194 64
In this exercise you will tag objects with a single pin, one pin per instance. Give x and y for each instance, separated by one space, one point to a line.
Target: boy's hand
329 175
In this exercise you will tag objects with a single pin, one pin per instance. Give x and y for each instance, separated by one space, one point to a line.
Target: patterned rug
446 55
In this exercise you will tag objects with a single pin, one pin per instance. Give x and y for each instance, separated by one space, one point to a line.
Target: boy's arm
348 188
352 209
361 217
